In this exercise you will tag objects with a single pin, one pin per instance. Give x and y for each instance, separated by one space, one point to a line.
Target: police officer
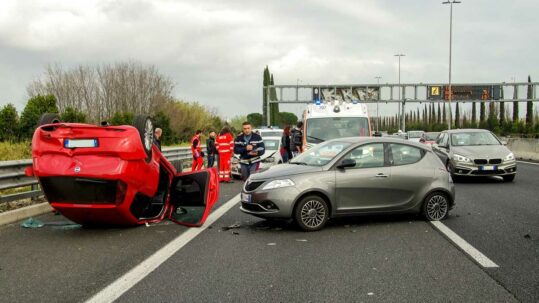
250 147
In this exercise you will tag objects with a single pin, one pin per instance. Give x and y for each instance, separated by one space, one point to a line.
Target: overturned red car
116 175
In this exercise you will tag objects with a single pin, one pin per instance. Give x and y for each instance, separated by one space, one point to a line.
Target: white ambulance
324 121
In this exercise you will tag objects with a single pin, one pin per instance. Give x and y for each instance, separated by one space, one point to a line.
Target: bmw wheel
436 207
311 213
144 126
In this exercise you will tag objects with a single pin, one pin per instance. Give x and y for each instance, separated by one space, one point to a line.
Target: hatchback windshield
321 154
473 138
323 129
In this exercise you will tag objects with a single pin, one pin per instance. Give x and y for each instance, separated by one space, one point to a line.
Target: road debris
235 233
370 294
233 226
272 244
527 236
301 240
32 223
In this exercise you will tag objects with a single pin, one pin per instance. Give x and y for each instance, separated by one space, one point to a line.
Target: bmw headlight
460 158
279 184
510 157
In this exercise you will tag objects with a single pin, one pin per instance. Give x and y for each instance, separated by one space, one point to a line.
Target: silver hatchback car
351 176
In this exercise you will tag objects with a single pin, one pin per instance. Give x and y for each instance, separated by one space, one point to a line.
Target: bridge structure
402 94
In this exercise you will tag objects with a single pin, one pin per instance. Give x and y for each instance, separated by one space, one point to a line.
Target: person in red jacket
225 147
196 150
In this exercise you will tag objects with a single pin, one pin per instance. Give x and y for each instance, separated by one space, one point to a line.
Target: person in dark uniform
211 149
157 137
250 147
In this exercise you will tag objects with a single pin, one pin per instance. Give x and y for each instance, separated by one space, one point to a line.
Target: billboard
464 92
347 94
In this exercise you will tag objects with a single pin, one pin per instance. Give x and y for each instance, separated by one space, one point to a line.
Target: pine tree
266 82
482 110
457 116
274 106
515 105
444 114
474 116
529 105
502 109
439 121
432 114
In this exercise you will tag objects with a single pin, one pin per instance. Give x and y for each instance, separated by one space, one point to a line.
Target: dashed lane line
465 246
139 272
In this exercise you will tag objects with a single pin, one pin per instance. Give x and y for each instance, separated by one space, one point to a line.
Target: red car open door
192 195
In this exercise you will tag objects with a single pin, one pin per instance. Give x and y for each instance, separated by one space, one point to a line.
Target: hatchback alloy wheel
436 207
312 213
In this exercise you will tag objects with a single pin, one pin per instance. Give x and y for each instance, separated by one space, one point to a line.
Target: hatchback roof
467 130
380 140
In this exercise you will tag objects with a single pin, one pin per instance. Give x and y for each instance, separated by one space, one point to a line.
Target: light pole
450 46
400 95
377 103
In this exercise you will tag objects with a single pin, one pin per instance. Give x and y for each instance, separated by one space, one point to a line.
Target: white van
336 119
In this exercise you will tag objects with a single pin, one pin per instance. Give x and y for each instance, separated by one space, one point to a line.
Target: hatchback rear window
405 154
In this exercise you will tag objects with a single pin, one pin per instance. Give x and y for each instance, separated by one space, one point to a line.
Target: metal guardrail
12 174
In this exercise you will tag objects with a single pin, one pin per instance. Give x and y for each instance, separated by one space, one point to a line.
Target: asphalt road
63 263
364 259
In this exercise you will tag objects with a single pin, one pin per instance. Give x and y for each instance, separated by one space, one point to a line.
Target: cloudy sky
215 51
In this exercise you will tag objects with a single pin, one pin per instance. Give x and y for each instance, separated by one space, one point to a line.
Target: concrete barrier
525 149
25 212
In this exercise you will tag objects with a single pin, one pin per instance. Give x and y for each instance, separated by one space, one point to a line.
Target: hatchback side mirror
347 163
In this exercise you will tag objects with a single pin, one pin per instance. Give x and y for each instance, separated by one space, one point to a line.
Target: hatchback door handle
381 175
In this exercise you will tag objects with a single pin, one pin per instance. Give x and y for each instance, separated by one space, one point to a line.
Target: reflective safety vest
225 143
195 151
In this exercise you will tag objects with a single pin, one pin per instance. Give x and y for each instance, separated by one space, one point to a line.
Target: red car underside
114 182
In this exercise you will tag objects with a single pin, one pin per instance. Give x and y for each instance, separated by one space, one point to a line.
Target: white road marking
135 275
465 246
533 163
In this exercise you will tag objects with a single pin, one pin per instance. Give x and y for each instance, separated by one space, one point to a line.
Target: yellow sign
435 91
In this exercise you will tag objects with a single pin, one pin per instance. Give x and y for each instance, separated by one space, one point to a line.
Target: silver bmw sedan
351 176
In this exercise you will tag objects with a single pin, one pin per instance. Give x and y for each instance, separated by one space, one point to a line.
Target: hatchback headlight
460 158
279 184
510 157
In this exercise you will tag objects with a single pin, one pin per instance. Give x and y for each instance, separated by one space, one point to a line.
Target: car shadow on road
478 180
273 225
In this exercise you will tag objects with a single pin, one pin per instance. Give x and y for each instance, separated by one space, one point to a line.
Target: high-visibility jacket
225 143
195 146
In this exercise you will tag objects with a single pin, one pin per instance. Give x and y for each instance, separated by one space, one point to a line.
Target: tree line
116 93
493 116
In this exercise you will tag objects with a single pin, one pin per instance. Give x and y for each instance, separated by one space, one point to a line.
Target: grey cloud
215 51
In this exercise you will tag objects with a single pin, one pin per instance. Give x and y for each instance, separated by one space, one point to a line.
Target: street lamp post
401 121
377 105
450 47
